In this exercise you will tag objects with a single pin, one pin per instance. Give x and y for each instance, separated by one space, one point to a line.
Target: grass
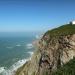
67 29
67 69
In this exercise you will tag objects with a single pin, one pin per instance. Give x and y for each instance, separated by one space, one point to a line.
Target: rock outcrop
53 51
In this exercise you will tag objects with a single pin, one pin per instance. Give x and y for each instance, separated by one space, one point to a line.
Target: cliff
54 50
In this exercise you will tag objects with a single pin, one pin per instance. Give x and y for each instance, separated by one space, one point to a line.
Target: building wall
73 22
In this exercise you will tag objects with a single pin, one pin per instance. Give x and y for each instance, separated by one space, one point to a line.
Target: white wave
13 68
2 69
29 46
9 47
31 53
18 45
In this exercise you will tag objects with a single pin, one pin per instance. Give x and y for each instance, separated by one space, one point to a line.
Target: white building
72 22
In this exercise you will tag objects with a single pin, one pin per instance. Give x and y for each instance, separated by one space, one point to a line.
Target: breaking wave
2 69
31 53
29 46
18 45
14 67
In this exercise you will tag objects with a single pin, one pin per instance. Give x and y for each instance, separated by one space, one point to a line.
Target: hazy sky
34 15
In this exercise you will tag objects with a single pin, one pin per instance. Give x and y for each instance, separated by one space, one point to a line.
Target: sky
35 15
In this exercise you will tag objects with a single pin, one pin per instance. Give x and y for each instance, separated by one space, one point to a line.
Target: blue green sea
15 50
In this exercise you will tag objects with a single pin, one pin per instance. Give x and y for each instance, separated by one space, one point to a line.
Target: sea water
15 50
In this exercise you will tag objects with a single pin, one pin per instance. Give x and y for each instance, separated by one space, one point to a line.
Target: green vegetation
67 29
67 69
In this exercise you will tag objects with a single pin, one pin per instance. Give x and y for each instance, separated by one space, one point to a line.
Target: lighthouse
72 22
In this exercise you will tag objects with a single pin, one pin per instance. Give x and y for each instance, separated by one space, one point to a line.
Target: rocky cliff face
52 53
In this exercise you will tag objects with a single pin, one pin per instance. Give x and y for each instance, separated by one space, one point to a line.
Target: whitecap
29 46
9 47
13 68
31 53
2 69
18 45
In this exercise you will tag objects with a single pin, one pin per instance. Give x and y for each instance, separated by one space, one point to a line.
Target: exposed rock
52 53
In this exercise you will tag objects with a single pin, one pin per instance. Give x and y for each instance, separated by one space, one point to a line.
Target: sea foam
29 46
31 53
9 47
14 67
18 45
1 69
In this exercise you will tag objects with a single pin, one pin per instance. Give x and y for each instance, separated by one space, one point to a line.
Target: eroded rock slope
54 49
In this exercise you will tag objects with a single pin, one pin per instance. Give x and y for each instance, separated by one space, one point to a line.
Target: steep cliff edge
54 49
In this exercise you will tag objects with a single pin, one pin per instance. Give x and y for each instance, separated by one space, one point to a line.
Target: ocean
15 50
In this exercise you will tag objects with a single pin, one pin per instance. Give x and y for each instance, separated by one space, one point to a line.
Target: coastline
23 64
12 70
35 45
20 63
